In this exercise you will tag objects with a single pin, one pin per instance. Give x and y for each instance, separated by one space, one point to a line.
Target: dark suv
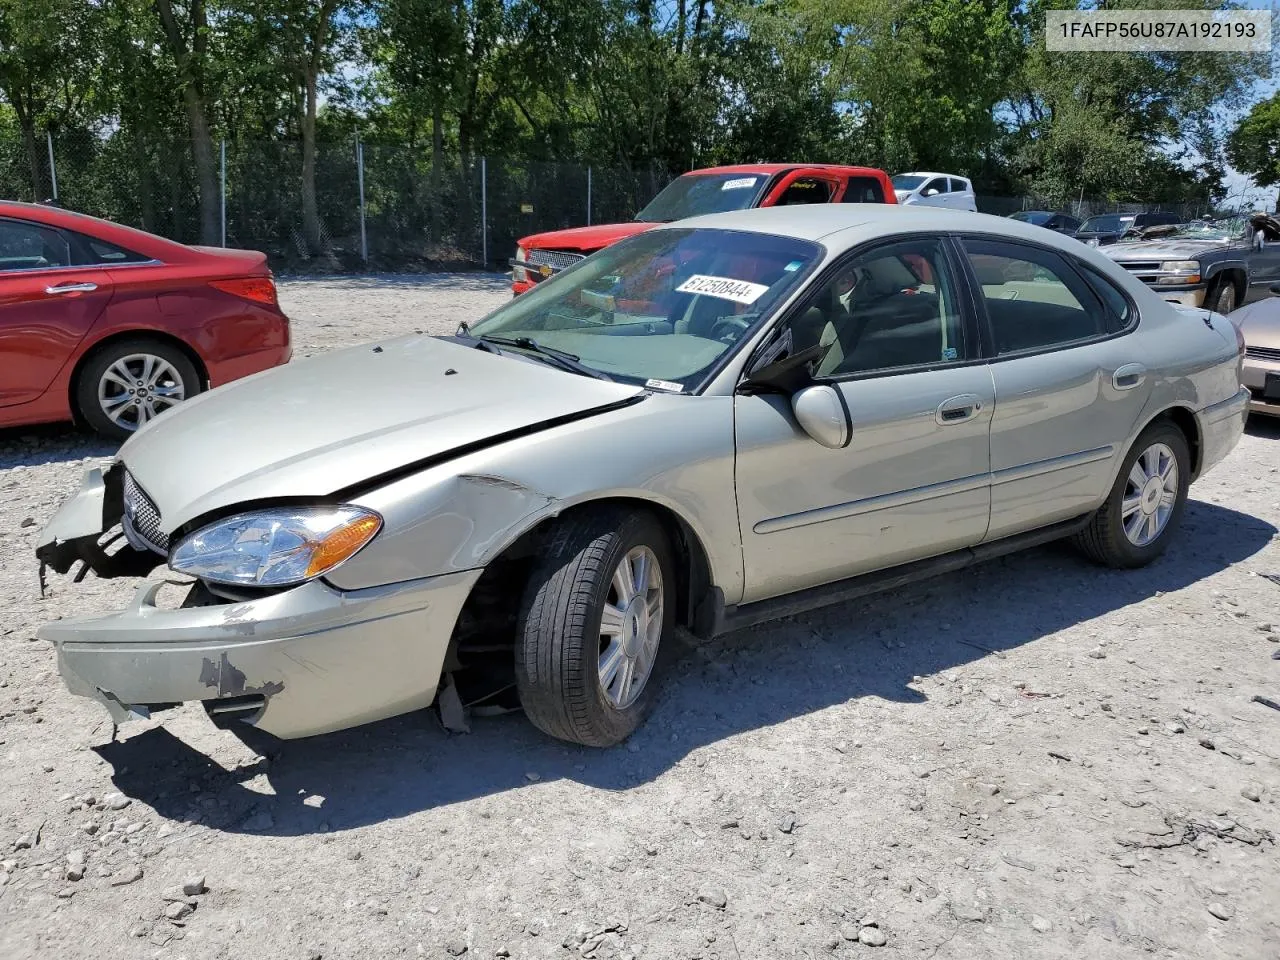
1105 228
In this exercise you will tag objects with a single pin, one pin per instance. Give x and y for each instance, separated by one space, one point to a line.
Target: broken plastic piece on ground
1266 702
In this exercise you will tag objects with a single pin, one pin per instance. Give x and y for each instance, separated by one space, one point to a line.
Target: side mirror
931 192
821 413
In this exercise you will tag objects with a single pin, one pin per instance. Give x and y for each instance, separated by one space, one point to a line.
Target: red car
713 190
111 326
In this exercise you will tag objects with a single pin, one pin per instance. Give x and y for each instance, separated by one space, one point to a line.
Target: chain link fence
372 206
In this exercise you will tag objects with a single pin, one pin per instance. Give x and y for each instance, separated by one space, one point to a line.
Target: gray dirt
1036 758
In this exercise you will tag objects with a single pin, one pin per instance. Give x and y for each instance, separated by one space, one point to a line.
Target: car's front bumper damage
293 663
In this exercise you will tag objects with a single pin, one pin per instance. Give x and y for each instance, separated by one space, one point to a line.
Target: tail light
257 289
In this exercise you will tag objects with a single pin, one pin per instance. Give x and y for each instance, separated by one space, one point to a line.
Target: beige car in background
1259 323
714 423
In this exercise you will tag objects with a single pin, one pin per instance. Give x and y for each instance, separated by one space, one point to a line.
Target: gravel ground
1035 758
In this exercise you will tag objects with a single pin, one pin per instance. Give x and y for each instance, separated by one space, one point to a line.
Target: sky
1237 183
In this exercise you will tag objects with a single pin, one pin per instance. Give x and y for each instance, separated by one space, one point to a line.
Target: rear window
863 190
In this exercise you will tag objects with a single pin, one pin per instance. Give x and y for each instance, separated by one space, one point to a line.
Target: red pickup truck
713 190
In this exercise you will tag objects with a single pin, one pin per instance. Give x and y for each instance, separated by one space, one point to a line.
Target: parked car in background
1058 222
1105 228
1217 264
111 326
689 429
935 190
713 190
1259 324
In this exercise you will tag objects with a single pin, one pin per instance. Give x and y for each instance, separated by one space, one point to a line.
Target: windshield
1031 216
1106 223
697 193
907 181
660 308
1228 229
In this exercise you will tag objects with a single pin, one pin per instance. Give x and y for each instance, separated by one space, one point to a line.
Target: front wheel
1222 298
1144 507
591 627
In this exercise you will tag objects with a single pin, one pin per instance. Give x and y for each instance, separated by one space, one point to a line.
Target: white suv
935 190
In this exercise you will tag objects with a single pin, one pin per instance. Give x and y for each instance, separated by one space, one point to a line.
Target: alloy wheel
137 388
631 627
1150 494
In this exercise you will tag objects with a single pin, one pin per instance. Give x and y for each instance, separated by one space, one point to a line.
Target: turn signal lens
341 544
257 289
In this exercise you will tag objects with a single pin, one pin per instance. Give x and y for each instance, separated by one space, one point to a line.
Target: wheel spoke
625 677
148 370
611 621
1130 506
610 663
623 583
1136 475
110 403
1168 498
114 376
640 572
1153 527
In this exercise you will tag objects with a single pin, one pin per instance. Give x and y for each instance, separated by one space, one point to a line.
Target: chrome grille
142 518
1140 266
556 259
1262 353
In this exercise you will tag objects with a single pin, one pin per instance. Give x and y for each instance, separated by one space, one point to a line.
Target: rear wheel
1145 505
1221 297
130 382
591 626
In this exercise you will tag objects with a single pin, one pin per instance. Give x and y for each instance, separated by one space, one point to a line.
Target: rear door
47 305
1069 384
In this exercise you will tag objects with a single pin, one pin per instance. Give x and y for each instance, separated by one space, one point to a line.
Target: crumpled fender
76 532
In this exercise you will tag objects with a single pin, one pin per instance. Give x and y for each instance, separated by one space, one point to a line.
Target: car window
93 251
665 305
863 190
906 181
893 307
695 194
1034 300
1116 302
937 183
30 246
958 185
805 190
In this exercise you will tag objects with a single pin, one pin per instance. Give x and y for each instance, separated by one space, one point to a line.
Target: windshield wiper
562 359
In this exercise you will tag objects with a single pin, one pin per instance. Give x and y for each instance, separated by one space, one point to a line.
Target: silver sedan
714 423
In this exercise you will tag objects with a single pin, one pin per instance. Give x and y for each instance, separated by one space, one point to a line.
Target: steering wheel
729 329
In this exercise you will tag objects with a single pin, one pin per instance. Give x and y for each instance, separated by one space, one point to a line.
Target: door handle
71 288
958 409
1129 376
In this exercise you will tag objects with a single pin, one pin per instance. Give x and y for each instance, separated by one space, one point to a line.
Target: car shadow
740 682
1263 426
36 446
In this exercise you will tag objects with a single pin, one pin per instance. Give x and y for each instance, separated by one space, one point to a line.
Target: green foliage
142 92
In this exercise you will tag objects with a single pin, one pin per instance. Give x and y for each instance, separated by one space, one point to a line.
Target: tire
560 639
101 395
1222 298
1109 539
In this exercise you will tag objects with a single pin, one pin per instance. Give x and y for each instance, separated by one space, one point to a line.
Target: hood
585 239
1164 249
1259 322
314 427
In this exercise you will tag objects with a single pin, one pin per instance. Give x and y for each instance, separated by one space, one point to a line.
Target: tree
1253 147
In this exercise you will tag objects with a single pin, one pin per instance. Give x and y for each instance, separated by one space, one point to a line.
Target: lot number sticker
739 184
726 288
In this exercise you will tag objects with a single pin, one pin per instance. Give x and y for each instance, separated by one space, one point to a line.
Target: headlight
519 274
1180 271
275 548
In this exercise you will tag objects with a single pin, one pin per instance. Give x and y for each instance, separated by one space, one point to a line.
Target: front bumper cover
303 661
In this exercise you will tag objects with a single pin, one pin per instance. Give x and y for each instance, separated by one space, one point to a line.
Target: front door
1068 390
47 305
913 480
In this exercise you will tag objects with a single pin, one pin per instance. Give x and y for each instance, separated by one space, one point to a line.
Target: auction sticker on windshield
726 288
740 184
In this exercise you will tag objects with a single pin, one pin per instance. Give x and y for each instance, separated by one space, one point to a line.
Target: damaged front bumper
301 662
311 659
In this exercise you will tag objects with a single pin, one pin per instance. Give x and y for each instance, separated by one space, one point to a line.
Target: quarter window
1034 299
890 308
1115 301
96 251
958 185
863 190
30 246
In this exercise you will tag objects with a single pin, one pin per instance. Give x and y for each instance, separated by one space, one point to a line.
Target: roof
772 168
136 240
842 225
